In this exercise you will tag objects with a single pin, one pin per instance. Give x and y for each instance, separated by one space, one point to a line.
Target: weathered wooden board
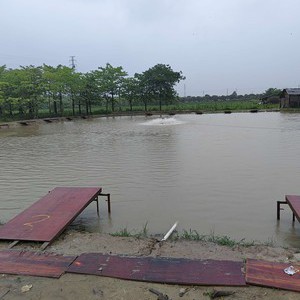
162 270
48 217
32 263
271 274
294 203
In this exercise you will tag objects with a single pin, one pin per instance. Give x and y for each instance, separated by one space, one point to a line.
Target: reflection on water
213 173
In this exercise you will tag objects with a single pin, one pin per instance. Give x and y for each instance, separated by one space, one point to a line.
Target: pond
215 173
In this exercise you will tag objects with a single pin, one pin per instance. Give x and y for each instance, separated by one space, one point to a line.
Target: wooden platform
35 264
161 270
271 274
48 217
294 203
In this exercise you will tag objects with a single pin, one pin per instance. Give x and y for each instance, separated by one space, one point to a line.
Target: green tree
59 81
89 91
160 83
2 89
31 88
110 80
130 90
144 92
272 92
21 90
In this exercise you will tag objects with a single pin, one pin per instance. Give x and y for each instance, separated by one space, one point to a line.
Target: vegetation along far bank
32 92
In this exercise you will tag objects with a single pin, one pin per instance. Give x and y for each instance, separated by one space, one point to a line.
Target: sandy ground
73 286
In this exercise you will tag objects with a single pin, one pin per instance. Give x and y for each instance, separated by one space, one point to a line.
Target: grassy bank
192 235
209 106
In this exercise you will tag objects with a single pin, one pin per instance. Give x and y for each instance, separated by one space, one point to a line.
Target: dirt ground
73 286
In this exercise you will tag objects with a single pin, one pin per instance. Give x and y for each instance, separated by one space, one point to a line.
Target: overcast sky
219 45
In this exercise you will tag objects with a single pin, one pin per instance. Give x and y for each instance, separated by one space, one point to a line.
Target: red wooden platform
161 270
48 217
271 274
294 203
35 264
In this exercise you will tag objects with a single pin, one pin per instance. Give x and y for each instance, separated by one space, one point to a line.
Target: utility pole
184 91
72 61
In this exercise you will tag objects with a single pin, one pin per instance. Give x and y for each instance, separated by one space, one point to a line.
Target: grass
124 232
270 242
191 235
222 240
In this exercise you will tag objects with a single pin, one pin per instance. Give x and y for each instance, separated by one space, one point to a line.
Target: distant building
290 98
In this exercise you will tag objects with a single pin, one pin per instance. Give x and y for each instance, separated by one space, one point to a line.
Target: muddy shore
71 286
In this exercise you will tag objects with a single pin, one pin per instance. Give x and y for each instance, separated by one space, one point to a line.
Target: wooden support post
11 245
97 206
279 208
293 217
108 201
45 245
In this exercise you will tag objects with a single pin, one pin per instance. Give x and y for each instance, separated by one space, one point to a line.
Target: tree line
271 95
28 90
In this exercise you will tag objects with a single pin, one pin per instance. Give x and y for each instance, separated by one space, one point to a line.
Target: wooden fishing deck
294 203
48 217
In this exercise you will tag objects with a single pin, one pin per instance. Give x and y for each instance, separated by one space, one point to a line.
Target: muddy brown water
215 173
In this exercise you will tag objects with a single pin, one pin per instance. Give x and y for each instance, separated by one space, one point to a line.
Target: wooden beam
11 245
45 245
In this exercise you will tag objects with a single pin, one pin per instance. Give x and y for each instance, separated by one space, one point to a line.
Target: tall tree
143 89
2 89
89 91
110 80
22 90
161 81
59 81
31 88
130 90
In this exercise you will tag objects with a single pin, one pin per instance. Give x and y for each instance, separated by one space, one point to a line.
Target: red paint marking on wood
35 264
162 270
294 203
271 274
48 217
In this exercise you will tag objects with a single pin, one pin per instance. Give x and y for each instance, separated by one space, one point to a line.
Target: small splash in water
163 121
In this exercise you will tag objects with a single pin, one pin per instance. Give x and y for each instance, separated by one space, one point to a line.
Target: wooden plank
271 274
35 264
48 217
294 203
162 270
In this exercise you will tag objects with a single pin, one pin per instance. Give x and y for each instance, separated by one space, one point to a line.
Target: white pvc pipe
169 232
